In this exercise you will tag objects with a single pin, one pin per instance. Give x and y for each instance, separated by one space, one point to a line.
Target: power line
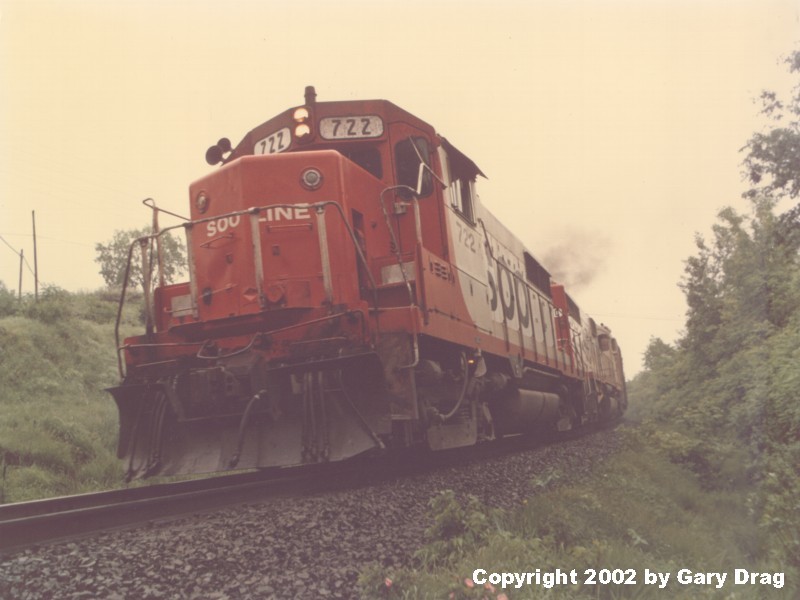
9 245
19 254
51 239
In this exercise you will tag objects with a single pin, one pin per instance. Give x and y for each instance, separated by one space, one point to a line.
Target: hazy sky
609 130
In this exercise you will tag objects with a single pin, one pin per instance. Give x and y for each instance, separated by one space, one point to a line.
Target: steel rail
25 524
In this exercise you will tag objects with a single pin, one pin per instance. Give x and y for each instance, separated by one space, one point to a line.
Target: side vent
440 269
537 275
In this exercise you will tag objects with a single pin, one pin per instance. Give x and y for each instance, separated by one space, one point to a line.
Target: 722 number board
351 128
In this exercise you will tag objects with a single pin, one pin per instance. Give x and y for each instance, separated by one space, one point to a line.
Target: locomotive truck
348 293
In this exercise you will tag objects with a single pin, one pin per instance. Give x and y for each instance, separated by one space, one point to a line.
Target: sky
610 130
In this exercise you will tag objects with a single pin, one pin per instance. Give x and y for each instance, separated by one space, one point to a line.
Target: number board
274 142
351 128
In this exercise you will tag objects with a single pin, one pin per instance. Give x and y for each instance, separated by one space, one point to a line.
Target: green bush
54 305
9 304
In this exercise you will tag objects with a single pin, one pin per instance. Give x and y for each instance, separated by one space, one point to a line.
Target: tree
113 257
732 379
658 354
702 286
772 163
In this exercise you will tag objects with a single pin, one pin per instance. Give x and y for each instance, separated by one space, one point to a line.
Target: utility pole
35 261
21 261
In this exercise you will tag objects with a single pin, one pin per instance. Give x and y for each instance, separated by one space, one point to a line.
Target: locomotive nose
294 251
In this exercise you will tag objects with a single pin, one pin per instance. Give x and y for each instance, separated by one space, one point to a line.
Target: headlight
302 128
201 202
300 114
311 179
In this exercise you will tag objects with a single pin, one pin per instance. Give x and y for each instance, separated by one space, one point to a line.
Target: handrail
188 225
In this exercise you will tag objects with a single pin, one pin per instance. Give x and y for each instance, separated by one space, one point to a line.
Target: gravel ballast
302 547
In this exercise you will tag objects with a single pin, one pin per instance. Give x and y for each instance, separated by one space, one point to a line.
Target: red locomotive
348 292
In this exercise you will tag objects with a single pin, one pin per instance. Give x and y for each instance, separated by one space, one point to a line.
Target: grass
58 426
638 511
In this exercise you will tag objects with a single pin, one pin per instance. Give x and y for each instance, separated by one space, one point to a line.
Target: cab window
462 192
407 154
461 173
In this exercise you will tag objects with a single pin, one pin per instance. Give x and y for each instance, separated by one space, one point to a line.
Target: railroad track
26 524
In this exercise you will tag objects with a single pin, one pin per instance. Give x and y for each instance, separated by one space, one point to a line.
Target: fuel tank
524 411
